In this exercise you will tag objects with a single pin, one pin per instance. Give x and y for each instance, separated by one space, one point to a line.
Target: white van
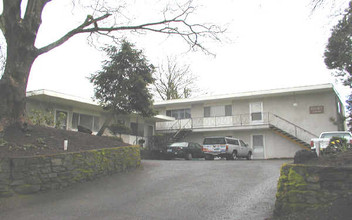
225 147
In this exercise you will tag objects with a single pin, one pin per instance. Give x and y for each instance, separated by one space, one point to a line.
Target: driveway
174 189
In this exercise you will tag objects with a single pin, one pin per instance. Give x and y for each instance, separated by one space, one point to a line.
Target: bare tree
336 6
174 80
21 30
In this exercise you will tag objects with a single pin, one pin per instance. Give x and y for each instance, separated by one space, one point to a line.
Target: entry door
258 146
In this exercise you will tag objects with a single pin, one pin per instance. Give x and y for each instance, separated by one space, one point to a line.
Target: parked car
187 150
225 147
324 139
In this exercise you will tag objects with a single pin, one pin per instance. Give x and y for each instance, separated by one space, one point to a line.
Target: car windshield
330 135
214 141
179 144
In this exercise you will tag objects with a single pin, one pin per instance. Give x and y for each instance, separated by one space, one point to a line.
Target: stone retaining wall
315 190
41 173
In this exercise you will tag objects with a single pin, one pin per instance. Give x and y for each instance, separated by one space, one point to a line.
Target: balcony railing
211 122
241 120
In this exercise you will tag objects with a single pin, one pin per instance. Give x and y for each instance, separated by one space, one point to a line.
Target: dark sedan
187 150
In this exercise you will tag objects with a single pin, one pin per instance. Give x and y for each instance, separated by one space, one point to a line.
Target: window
230 141
206 111
179 113
228 110
243 144
87 121
218 111
256 110
197 146
258 140
61 119
214 141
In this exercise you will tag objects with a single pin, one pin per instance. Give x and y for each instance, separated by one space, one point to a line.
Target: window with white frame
88 121
218 111
179 113
256 109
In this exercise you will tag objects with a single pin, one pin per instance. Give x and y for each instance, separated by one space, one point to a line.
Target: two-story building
275 123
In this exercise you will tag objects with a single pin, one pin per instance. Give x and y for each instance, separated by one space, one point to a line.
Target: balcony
238 122
242 120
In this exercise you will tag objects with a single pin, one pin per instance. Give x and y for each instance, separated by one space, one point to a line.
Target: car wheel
234 155
249 156
188 156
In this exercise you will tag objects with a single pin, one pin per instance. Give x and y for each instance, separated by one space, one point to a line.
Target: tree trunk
21 54
106 124
13 85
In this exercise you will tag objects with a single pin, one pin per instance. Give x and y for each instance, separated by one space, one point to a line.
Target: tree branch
11 12
80 29
176 25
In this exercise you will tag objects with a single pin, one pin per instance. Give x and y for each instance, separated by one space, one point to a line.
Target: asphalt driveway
174 189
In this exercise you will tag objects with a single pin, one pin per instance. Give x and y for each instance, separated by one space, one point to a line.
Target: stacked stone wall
313 191
27 175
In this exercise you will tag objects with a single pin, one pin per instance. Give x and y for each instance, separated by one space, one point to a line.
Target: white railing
237 121
211 122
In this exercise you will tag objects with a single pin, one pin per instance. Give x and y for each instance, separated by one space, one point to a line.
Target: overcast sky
269 44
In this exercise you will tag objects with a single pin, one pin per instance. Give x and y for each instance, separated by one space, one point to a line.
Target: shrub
336 145
141 142
41 118
303 156
160 142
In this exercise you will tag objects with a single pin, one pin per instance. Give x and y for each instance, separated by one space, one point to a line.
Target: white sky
269 44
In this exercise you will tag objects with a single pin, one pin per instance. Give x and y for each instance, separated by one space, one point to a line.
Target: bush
160 142
141 141
41 118
336 145
303 156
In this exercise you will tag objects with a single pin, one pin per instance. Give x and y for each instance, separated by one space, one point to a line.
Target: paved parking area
175 189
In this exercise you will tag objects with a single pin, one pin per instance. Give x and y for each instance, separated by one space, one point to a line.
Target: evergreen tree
338 54
121 87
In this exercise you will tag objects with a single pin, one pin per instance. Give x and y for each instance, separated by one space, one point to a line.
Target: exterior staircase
290 131
290 137
180 135
280 126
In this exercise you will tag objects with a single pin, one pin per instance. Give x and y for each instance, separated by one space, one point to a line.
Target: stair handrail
172 126
179 130
299 135
295 125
